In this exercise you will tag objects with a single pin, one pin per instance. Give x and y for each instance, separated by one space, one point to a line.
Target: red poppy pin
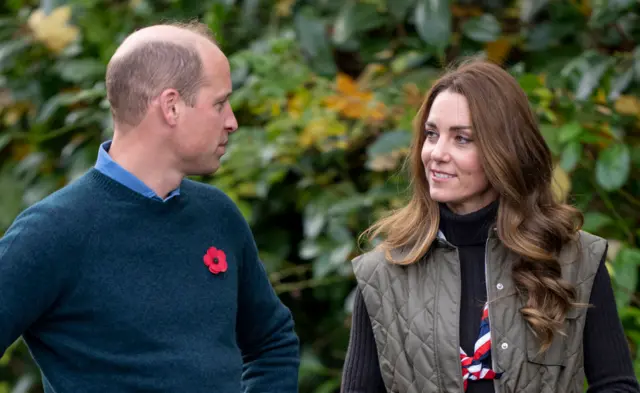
216 260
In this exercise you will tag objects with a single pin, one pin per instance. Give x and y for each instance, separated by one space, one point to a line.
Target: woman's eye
462 140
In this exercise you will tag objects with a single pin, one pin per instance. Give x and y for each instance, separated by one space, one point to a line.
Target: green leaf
399 8
388 142
432 19
625 267
25 383
605 13
355 18
529 9
4 140
313 42
50 5
541 36
408 60
50 108
309 249
569 132
620 83
635 156
636 62
550 134
613 167
329 386
594 221
10 49
314 220
571 155
484 28
322 266
529 82
341 253
591 78
80 70
239 71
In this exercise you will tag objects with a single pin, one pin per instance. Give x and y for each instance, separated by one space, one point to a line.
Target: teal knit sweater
112 292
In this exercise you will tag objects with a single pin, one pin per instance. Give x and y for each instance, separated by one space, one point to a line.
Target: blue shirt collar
107 166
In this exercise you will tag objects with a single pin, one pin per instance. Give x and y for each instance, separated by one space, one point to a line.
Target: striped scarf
478 366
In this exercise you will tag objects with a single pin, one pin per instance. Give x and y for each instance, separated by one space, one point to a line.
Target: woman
484 282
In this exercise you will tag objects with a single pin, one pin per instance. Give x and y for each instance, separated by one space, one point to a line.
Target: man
133 278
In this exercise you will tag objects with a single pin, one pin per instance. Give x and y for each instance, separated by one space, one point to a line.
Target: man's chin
204 170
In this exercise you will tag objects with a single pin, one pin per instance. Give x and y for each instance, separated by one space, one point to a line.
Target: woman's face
451 157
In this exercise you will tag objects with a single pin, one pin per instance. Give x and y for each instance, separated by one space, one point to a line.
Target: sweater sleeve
265 330
607 358
361 372
31 279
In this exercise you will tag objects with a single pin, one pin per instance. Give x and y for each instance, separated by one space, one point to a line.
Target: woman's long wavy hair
518 164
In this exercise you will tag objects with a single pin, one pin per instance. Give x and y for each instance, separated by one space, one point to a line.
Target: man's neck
146 162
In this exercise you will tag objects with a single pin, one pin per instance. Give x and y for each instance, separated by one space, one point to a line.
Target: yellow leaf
542 78
613 249
246 189
275 109
353 102
627 105
345 84
283 7
319 129
286 160
12 116
371 70
341 144
377 112
383 163
297 103
19 152
583 6
466 11
52 30
390 161
498 50
601 97
561 184
543 93
6 98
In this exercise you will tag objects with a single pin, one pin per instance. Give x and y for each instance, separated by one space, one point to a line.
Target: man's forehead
157 34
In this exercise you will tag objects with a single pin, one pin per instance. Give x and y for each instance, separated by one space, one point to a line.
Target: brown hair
139 75
518 165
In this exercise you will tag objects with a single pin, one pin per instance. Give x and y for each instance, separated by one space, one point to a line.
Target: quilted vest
414 311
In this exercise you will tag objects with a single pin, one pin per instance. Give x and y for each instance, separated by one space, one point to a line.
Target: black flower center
215 260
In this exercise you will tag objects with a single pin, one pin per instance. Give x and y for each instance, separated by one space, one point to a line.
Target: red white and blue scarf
478 366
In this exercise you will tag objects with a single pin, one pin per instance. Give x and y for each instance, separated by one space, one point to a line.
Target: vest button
499 286
505 345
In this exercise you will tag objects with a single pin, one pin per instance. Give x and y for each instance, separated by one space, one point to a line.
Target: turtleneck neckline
468 229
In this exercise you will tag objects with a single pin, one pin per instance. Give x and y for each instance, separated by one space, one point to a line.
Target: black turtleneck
608 365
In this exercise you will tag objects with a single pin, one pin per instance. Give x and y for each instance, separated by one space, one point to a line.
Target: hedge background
325 93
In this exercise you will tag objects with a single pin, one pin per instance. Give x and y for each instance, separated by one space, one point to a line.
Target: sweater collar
467 229
108 167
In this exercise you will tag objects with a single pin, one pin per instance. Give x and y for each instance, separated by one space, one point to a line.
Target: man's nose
231 123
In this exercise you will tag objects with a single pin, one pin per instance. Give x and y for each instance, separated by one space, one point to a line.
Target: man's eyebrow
225 97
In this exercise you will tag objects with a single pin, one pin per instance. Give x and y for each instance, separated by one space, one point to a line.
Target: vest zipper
457 335
487 281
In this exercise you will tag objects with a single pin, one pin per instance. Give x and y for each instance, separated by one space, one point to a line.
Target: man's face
203 130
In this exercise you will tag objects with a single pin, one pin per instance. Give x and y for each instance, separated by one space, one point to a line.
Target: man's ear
169 102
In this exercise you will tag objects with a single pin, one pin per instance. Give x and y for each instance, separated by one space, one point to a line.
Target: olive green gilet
414 311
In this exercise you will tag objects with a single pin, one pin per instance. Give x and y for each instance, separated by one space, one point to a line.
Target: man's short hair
134 79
